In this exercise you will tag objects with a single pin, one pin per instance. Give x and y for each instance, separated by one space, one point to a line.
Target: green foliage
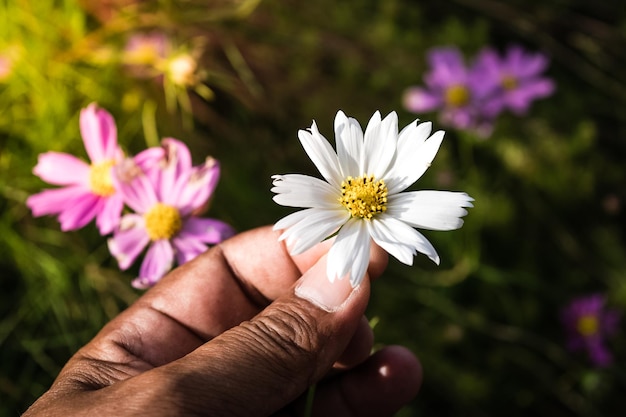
549 187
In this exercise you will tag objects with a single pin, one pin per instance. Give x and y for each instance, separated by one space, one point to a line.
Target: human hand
242 330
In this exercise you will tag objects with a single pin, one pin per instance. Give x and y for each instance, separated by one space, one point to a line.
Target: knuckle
289 338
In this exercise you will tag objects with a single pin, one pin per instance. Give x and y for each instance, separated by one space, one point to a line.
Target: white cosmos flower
363 196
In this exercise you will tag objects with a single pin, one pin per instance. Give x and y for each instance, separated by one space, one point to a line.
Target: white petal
380 143
397 238
312 227
371 142
381 235
413 158
433 210
388 232
291 219
350 253
295 190
322 154
349 139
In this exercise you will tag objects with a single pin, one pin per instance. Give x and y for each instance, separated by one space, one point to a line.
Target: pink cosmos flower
144 53
588 323
453 88
165 192
88 190
517 78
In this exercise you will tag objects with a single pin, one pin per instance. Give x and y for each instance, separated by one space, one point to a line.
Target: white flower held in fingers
362 196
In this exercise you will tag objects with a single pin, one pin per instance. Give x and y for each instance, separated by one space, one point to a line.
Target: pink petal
200 186
519 100
209 231
149 161
62 169
80 212
99 133
109 217
175 172
55 200
157 262
129 240
134 186
187 247
418 100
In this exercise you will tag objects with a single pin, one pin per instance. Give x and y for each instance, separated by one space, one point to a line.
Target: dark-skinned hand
242 330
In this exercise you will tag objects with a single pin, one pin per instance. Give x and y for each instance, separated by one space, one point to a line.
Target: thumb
260 366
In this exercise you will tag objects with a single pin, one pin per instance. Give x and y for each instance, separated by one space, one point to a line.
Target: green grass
549 187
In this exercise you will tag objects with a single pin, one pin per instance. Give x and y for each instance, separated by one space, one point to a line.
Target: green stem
308 409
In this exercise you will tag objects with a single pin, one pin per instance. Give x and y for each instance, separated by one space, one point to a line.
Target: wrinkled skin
226 335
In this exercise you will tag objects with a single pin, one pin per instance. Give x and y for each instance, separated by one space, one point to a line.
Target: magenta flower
451 87
166 193
88 190
588 323
516 77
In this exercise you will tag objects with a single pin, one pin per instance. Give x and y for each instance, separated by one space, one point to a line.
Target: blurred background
236 79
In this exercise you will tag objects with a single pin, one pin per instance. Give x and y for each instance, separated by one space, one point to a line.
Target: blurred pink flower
588 323
517 78
470 97
88 190
145 52
6 65
451 87
165 191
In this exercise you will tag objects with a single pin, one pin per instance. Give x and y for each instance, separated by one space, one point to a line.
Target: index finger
228 284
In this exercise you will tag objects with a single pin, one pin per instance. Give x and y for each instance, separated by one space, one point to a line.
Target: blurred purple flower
453 88
588 323
517 77
166 192
89 191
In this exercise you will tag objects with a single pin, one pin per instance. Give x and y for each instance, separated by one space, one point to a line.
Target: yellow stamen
364 196
457 96
587 325
145 54
509 82
100 179
162 221
182 70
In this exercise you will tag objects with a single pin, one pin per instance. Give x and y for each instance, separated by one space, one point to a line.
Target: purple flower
166 193
587 324
517 77
453 88
88 190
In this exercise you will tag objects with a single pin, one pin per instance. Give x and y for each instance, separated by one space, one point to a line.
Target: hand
242 330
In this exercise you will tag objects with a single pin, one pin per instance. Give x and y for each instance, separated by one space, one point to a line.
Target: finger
229 284
249 270
259 366
359 348
379 387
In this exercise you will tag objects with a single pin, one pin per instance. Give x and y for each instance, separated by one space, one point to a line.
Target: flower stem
308 409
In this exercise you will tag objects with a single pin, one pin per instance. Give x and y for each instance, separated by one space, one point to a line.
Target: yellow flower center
587 325
182 70
144 54
364 196
100 179
162 221
509 82
457 96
